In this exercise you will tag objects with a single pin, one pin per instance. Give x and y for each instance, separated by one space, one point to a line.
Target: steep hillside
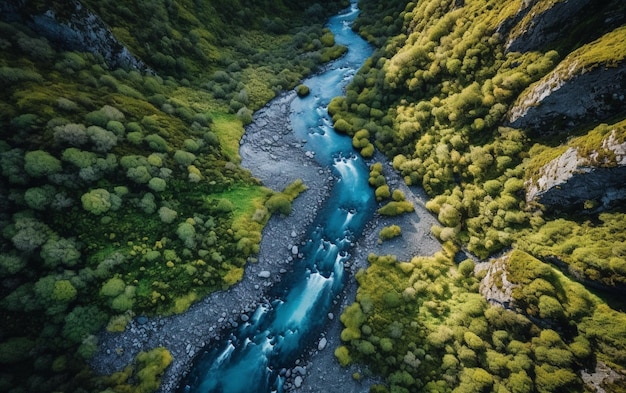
478 103
121 193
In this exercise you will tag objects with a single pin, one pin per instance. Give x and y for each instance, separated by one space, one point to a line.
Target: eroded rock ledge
592 182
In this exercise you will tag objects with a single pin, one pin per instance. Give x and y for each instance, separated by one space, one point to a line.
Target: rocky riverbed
270 150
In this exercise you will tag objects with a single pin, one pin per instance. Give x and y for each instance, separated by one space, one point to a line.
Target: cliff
589 175
584 88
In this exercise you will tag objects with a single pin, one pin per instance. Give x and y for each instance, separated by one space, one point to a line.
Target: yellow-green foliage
593 250
389 232
145 375
395 208
440 327
596 321
609 51
229 130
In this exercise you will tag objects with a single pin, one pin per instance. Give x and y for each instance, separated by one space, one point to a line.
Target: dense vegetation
121 192
434 98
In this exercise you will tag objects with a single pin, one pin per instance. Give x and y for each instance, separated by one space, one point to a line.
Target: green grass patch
229 131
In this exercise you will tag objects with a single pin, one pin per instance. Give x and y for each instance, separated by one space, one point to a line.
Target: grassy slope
133 201
422 324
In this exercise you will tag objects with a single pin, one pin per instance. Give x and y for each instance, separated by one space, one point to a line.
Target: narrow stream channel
249 360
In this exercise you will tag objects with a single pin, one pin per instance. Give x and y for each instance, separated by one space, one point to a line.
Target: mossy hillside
423 325
433 98
194 39
592 249
121 190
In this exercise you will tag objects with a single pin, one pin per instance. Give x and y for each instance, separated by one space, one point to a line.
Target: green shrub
184 158
394 208
303 90
389 232
167 215
96 201
157 184
40 163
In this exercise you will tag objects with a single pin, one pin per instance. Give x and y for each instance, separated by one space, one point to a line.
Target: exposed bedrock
582 183
78 29
561 102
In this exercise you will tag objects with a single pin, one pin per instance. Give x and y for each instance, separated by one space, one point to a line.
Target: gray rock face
574 182
495 287
82 31
547 26
560 102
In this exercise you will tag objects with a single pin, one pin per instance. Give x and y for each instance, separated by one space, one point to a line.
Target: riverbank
270 150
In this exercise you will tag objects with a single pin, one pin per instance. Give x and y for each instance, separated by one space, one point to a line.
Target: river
250 358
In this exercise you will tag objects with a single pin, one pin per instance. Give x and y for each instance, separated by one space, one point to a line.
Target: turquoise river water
249 360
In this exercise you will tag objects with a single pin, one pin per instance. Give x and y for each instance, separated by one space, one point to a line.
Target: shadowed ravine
251 357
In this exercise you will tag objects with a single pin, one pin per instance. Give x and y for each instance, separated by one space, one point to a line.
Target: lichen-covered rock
593 181
586 87
560 102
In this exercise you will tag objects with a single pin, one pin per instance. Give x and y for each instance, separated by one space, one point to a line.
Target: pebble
264 274
297 382
322 344
294 250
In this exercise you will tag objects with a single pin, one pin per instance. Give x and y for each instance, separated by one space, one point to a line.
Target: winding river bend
251 358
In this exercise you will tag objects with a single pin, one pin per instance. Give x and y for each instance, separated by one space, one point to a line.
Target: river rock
322 344
265 274
297 382
294 250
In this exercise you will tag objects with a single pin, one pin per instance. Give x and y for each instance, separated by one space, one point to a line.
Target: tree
64 291
96 201
40 163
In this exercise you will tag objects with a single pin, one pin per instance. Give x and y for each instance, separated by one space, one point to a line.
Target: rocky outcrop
539 22
570 96
495 287
591 182
79 30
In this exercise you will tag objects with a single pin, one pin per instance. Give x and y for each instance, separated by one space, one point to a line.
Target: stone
322 344
264 274
294 250
297 382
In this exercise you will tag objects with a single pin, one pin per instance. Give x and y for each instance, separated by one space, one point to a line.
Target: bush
167 215
157 143
96 201
101 139
390 232
40 163
396 208
382 192
303 90
279 203
72 134
157 184
184 158
343 355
